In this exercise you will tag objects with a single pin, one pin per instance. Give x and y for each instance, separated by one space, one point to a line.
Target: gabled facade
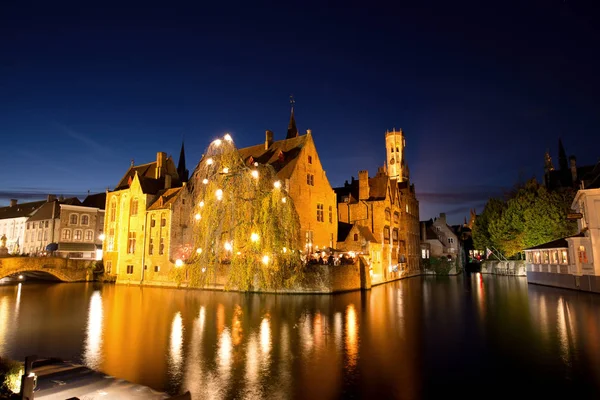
359 239
298 166
13 223
43 227
440 239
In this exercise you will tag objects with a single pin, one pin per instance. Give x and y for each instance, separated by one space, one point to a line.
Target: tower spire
562 156
292 131
181 170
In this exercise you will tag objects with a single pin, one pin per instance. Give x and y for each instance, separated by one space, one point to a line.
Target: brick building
386 208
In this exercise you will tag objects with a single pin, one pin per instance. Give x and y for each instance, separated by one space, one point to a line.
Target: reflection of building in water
92 356
351 336
176 346
4 323
194 380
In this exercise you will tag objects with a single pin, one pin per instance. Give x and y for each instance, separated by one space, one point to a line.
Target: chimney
443 217
167 181
161 164
363 185
573 165
13 202
309 132
423 231
51 197
268 139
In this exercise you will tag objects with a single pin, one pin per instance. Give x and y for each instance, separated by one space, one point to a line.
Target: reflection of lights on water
4 323
306 334
351 335
93 343
564 330
18 302
318 329
337 329
224 348
176 345
265 335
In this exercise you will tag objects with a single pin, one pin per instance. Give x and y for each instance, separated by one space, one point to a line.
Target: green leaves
530 216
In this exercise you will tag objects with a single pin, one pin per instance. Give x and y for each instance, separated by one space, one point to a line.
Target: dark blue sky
481 92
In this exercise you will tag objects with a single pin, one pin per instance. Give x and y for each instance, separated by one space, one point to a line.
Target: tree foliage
529 216
245 224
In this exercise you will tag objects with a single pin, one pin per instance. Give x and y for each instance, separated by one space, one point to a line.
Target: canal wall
65 269
510 267
586 283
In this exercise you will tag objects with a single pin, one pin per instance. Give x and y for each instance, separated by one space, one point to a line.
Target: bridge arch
50 271
62 269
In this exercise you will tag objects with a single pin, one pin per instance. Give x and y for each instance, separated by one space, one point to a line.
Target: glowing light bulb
227 137
254 174
254 237
209 161
239 253
201 204
277 184
217 142
228 246
225 170
284 200
199 250
203 269
256 164
219 194
285 250
265 259
205 181
197 216
102 236
178 263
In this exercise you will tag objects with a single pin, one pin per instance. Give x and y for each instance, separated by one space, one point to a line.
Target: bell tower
394 149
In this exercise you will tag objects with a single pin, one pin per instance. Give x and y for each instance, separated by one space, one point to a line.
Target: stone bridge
64 269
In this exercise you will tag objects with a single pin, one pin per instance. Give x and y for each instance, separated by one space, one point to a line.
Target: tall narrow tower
394 149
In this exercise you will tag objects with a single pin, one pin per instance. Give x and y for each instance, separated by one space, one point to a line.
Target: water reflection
4 324
176 347
351 337
18 301
92 357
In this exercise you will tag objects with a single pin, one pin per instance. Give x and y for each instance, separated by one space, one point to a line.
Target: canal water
471 336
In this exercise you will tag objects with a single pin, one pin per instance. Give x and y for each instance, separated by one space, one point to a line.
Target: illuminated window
555 257
161 246
73 219
66 234
134 207
113 210
546 257
320 217
110 242
356 237
386 234
563 256
536 257
582 255
129 269
131 243
85 220
78 234
89 235
156 268
150 246
330 214
423 253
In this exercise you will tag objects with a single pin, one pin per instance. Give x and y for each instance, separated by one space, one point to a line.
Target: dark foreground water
466 337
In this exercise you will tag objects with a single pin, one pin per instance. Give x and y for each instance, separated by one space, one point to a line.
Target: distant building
43 227
384 214
568 174
439 239
13 223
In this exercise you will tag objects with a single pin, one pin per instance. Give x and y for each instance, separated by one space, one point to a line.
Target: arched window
66 234
85 220
356 237
134 206
89 235
113 210
73 219
78 235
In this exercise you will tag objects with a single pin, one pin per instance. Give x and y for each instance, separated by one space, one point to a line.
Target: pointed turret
181 170
292 131
562 157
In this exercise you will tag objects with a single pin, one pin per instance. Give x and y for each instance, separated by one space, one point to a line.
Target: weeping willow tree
245 225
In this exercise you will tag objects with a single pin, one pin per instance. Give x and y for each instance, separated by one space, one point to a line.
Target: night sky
481 92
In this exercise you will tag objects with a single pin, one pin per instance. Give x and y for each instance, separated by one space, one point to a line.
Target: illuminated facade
13 224
386 206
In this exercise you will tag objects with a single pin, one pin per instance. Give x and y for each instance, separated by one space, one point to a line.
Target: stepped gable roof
165 198
344 229
282 155
148 171
555 244
377 189
350 190
97 200
45 211
20 210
